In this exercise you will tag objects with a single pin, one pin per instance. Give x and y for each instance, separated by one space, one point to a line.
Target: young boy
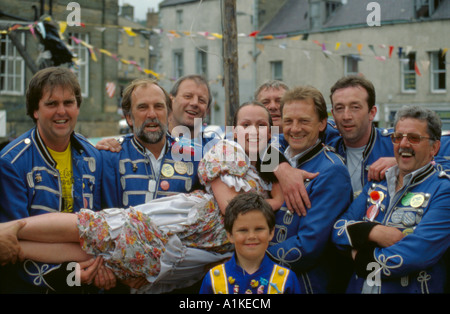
250 222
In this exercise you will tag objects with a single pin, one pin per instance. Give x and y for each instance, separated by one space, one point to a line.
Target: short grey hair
198 79
434 123
271 84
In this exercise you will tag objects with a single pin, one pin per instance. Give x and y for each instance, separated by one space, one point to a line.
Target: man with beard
145 168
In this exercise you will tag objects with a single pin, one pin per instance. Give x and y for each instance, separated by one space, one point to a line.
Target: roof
443 12
293 17
355 12
168 3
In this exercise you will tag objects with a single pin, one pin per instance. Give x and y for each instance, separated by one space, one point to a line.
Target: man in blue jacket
151 164
303 243
398 229
50 168
361 143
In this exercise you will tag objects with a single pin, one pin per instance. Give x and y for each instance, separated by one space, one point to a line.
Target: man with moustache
190 100
147 166
398 229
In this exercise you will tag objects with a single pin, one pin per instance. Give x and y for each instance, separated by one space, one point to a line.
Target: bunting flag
359 47
129 31
172 35
391 49
416 68
110 89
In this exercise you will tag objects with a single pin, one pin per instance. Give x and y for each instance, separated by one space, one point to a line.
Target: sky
141 6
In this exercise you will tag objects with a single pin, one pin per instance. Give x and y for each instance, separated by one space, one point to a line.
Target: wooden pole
230 59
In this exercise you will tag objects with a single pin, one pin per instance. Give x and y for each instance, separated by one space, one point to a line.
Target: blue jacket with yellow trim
30 185
421 210
129 178
303 243
230 278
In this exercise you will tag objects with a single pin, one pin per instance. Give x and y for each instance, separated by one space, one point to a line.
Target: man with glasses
398 229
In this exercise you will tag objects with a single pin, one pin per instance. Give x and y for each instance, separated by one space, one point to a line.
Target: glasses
413 138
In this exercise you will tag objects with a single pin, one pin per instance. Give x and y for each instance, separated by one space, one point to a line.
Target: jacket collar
42 148
310 153
141 148
369 145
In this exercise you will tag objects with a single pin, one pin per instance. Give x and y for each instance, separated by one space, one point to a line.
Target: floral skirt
135 252
134 240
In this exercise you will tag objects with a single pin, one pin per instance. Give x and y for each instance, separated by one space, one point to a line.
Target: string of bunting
171 34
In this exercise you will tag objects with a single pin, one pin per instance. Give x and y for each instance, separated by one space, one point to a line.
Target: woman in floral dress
169 241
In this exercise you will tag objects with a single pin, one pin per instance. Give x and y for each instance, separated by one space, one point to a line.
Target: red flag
253 34
391 49
417 69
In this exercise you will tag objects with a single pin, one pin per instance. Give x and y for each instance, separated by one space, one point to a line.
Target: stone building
400 45
88 38
192 44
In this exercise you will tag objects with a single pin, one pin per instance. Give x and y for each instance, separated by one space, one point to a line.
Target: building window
202 62
426 8
331 7
277 70
131 65
12 67
438 72
142 63
351 66
178 65
81 68
131 41
119 64
408 72
179 19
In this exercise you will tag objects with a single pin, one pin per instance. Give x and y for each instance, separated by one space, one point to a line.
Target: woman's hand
277 199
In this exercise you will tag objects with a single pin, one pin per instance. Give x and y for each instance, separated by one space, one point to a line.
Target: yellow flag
359 48
106 52
147 71
129 31
62 27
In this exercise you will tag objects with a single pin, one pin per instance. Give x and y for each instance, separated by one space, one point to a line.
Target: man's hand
294 191
88 269
10 250
385 236
110 144
378 169
105 278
